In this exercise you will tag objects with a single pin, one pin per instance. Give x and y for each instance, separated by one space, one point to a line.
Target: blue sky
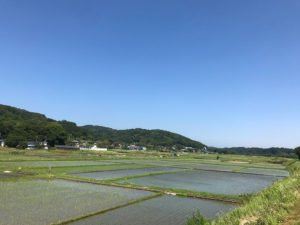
225 73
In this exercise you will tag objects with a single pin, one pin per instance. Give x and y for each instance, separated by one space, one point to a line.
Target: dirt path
294 216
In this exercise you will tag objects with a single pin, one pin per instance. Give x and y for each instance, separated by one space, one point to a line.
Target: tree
16 140
297 151
104 144
55 133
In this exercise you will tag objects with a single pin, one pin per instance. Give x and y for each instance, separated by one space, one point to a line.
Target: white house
93 148
2 143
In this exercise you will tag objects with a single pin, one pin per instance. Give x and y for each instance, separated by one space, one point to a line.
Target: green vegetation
197 218
19 126
282 152
297 152
268 207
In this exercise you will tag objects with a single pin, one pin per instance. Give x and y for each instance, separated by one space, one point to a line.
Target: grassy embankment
271 206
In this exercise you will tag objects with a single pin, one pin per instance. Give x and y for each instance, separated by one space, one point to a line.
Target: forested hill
144 137
283 152
18 126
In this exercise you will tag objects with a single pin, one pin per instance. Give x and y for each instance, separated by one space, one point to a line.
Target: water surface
45 202
165 210
270 172
123 173
209 181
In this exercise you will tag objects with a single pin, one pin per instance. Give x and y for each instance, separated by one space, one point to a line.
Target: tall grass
269 207
197 218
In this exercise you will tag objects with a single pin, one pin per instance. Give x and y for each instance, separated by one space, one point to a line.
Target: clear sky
226 73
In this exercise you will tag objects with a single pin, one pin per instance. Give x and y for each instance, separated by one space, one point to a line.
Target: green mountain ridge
278 151
18 126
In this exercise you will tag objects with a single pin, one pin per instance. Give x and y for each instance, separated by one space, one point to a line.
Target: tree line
280 152
18 126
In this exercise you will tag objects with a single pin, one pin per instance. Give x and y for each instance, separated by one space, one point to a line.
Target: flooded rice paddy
165 210
124 173
58 163
208 167
46 202
270 172
214 165
209 181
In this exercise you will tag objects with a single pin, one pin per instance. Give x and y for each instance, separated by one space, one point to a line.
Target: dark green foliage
156 139
19 125
55 133
297 152
75 132
198 219
104 144
16 140
281 152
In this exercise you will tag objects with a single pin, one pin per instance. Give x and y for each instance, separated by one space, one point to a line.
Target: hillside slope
144 137
18 126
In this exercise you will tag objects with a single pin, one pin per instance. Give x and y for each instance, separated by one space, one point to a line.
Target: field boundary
235 171
166 191
117 169
106 210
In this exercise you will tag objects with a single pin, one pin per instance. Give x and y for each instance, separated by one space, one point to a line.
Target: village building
135 147
93 148
75 143
2 142
34 144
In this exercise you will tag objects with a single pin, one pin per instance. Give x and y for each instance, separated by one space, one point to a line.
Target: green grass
69 169
268 207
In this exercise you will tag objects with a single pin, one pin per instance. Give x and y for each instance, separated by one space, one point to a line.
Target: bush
15 140
198 219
